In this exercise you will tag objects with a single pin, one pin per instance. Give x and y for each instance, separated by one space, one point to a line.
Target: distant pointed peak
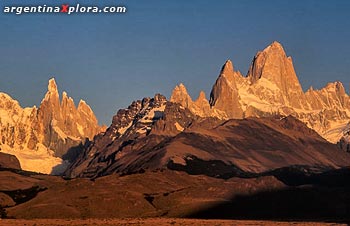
83 106
67 99
229 63
276 44
227 67
337 86
82 102
201 97
159 97
338 83
52 86
179 93
180 88
274 47
52 92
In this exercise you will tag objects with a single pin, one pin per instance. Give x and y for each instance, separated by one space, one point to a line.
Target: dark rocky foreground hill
293 193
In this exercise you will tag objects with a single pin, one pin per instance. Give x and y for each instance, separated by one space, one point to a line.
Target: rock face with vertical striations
271 87
224 95
40 137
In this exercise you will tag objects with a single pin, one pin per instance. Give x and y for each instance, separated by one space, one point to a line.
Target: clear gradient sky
110 60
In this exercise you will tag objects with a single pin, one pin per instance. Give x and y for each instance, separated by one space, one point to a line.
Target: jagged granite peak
272 66
224 97
336 87
67 104
40 137
52 86
227 68
51 99
271 87
200 106
202 102
180 95
201 96
85 109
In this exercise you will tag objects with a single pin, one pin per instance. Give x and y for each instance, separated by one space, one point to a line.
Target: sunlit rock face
40 137
271 87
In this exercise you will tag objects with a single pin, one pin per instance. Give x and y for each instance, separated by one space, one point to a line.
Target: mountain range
270 88
251 124
259 148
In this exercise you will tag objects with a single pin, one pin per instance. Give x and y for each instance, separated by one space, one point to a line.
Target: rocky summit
271 87
41 137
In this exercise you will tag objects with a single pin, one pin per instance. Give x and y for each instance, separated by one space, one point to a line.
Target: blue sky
110 60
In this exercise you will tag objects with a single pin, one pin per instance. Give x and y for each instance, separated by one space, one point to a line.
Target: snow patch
80 129
40 160
122 130
336 132
152 114
142 130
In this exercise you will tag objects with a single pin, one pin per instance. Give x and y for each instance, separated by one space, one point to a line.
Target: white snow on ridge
124 129
40 161
337 132
148 118
80 128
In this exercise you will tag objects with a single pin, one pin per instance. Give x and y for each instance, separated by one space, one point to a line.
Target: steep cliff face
39 137
224 89
273 67
62 124
271 87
